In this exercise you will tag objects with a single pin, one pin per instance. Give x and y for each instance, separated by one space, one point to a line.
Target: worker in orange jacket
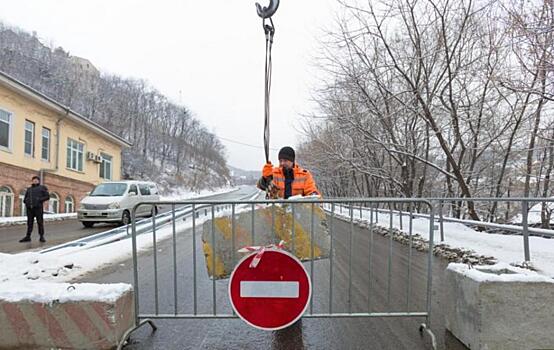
288 179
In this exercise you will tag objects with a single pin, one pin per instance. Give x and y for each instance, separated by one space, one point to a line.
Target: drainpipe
58 137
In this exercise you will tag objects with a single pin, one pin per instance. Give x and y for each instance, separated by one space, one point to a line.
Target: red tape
260 250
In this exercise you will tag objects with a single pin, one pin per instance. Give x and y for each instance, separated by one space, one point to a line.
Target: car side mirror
132 193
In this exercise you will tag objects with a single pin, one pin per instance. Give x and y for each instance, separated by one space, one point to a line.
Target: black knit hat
36 177
287 153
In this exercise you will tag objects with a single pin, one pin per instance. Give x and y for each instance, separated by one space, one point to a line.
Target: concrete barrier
76 322
499 307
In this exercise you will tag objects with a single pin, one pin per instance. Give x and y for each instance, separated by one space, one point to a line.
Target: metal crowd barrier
444 205
171 280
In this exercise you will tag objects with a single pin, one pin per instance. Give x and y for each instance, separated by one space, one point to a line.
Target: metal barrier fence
520 223
524 203
177 285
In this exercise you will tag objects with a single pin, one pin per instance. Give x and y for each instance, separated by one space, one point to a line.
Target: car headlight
114 206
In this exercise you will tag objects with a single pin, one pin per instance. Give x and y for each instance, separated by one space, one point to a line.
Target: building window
29 138
69 204
106 166
6 201
54 203
5 129
22 206
45 149
75 152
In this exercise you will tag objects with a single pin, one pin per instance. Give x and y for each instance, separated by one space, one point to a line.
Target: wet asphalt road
55 232
361 333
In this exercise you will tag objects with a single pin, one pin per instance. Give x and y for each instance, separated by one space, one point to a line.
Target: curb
23 221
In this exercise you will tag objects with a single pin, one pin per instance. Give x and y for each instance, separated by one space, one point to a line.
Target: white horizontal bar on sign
269 289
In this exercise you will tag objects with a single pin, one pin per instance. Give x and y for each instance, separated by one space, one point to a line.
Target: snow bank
505 248
32 266
21 220
69 263
43 292
501 272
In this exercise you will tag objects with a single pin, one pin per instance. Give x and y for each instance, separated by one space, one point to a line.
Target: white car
114 202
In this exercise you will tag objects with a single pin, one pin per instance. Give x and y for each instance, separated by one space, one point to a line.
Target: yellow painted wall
23 109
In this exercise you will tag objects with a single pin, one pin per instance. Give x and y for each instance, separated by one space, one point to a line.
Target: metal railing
443 208
355 258
143 225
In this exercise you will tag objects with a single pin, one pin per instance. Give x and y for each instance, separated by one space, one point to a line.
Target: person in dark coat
35 196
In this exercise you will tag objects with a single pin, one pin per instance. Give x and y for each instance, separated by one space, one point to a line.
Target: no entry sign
274 294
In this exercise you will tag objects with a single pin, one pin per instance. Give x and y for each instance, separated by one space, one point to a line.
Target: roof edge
14 84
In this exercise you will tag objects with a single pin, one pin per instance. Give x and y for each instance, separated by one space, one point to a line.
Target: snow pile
39 277
182 194
33 276
33 266
505 248
21 220
499 273
69 263
42 292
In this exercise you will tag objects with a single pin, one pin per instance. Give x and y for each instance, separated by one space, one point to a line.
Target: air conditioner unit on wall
91 156
98 158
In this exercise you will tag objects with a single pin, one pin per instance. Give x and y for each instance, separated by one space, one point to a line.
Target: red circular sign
274 294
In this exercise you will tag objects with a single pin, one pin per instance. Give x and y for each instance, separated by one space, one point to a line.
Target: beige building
39 136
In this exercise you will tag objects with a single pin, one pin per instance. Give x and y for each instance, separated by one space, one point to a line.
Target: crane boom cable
269 30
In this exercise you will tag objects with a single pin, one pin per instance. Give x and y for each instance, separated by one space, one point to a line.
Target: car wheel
126 218
88 224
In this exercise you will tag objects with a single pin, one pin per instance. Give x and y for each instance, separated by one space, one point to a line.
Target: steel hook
267 12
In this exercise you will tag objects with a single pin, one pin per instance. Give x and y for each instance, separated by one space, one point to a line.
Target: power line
243 144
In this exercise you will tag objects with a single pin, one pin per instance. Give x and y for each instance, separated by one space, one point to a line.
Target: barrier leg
127 334
423 329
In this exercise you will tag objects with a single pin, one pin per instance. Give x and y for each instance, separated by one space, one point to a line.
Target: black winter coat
35 196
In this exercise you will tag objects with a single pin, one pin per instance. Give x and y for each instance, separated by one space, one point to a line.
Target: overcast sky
207 54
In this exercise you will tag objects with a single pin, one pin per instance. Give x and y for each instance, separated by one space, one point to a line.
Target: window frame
11 118
69 200
102 167
28 122
49 142
54 198
22 206
70 149
3 198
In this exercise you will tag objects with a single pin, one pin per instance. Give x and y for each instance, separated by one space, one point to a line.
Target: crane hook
267 12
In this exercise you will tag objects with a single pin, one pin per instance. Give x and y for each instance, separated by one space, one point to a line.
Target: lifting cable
269 29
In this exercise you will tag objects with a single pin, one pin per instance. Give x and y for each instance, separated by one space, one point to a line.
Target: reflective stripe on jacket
303 183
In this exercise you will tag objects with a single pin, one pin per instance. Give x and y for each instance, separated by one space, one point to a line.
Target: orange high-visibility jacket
303 183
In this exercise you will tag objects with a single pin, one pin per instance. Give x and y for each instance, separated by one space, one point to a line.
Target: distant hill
244 177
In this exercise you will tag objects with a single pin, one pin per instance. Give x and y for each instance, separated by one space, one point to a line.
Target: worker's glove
267 170
264 182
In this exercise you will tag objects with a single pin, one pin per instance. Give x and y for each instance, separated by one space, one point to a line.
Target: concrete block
67 324
499 307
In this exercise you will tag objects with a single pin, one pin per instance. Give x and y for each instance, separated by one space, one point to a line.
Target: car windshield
107 190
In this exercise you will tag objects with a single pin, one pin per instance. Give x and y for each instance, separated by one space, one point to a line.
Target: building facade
39 136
